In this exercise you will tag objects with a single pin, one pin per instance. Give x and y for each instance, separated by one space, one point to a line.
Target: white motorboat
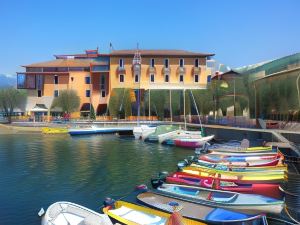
180 133
68 213
140 132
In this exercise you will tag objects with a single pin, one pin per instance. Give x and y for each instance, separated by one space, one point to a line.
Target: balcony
151 70
196 70
121 70
180 70
136 69
166 70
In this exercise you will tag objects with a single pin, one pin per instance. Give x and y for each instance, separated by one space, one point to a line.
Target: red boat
271 190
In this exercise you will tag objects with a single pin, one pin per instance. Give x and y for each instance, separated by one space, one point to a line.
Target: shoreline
10 129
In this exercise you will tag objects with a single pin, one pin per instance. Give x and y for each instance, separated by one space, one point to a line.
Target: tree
11 98
92 113
68 100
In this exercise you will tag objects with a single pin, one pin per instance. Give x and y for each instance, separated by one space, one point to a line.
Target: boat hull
195 211
267 189
246 203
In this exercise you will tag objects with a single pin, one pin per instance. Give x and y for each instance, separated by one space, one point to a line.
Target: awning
39 108
85 107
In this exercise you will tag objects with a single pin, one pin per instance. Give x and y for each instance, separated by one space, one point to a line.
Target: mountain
7 80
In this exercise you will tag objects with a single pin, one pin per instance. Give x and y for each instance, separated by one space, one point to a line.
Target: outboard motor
162 175
109 202
156 182
182 164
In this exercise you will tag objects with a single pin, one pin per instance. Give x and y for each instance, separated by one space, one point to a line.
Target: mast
171 114
136 63
149 104
184 109
197 110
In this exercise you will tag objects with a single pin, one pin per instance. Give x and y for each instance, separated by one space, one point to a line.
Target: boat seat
55 211
94 220
204 194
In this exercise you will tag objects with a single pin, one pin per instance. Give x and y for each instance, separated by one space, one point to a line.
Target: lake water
37 170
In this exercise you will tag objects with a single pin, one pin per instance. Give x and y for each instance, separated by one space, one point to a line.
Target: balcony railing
121 69
181 70
166 70
196 70
151 69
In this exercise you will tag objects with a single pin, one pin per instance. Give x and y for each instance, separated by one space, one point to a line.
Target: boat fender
156 182
109 202
41 212
141 188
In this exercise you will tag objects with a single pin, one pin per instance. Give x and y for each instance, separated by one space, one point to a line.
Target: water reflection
36 170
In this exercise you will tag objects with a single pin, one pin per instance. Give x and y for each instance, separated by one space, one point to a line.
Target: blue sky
239 32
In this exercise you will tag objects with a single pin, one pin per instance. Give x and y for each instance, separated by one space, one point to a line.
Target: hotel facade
93 76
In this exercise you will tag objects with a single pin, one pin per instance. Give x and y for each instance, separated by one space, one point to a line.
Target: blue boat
245 203
203 213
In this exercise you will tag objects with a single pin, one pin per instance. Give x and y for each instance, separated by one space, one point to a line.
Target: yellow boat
54 130
131 214
255 177
219 168
231 149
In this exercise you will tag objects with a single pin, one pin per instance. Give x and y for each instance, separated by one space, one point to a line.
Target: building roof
160 52
226 75
67 63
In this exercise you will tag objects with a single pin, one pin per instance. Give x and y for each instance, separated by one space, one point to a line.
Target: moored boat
98 130
192 142
180 133
246 176
239 149
68 213
267 189
217 166
197 212
246 203
133 214
140 132
54 130
160 130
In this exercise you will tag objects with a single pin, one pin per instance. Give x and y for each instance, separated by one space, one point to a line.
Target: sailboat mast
171 114
184 109
196 109
149 104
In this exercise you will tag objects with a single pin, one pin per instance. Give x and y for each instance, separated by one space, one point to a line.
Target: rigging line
196 109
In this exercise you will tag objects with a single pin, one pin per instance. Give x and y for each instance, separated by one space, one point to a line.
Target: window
181 78
136 78
103 94
166 78
121 63
87 93
196 78
121 78
39 93
152 62
196 63
55 79
56 93
166 63
152 78
208 78
87 80
102 82
181 62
